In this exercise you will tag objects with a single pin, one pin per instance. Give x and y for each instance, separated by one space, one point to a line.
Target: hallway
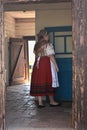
22 112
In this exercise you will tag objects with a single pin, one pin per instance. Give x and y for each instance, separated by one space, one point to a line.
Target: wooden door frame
2 71
79 24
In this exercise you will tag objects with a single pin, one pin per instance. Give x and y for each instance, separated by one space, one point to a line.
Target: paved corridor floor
22 112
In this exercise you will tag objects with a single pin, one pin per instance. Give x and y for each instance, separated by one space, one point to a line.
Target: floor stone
22 112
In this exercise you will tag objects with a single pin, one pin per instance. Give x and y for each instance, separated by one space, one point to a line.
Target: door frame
79 27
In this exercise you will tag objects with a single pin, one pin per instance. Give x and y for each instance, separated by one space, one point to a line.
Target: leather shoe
52 105
41 106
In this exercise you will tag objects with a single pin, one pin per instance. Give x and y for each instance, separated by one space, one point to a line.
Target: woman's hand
54 61
57 69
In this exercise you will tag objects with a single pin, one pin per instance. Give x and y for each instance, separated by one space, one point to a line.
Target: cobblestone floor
22 112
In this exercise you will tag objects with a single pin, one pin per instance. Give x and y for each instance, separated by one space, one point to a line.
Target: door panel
18 61
61 37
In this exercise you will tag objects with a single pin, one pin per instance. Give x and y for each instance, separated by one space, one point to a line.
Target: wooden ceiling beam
35 1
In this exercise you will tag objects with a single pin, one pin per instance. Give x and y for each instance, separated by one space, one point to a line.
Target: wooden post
2 72
79 13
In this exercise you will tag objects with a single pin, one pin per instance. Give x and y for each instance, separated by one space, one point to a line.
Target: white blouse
49 49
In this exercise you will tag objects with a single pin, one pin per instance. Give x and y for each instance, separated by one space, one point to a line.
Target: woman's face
46 37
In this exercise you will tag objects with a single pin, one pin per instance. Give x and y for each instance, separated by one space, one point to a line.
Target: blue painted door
61 37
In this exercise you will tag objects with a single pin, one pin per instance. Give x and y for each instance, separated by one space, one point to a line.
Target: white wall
57 16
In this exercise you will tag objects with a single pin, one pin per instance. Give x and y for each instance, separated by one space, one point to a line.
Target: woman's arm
54 61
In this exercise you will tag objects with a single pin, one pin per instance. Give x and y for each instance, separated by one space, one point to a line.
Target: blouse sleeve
50 49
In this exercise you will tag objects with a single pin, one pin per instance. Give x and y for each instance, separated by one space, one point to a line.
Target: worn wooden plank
35 1
79 14
9 26
2 72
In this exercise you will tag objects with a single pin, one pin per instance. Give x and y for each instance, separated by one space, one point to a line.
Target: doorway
42 20
31 56
18 25
31 44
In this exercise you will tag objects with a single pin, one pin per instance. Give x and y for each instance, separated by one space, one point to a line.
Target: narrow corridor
22 112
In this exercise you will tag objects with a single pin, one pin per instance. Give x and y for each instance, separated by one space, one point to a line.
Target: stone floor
22 112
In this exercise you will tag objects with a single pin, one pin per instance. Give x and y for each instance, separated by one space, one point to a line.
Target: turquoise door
61 37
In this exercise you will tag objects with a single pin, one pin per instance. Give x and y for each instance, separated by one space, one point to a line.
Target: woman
43 78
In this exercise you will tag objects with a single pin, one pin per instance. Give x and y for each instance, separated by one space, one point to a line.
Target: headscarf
42 33
41 41
38 45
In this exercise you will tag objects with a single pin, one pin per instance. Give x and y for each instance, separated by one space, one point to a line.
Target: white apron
55 82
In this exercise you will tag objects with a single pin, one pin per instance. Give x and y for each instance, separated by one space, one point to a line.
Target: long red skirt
41 79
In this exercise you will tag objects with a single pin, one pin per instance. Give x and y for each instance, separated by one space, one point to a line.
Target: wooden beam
79 13
35 1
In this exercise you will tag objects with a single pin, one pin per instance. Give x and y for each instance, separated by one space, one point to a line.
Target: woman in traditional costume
44 77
